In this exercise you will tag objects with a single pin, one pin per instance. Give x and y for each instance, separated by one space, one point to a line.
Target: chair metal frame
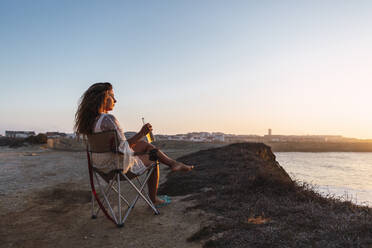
103 142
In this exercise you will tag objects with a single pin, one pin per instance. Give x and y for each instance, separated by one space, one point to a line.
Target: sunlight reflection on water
344 174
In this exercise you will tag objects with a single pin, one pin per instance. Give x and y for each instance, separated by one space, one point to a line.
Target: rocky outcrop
252 202
237 166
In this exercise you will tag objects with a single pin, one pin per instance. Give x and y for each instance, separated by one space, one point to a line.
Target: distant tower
269 131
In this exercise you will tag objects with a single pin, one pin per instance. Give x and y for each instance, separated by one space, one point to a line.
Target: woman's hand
145 129
138 136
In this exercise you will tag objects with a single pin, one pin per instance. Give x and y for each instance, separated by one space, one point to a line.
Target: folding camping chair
110 197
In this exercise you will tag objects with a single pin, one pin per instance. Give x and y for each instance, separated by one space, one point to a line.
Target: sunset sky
297 67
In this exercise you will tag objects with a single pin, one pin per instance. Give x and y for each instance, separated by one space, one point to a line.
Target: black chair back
106 141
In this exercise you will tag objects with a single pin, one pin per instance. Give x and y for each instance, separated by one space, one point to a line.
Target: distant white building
19 134
71 135
197 139
219 137
178 137
204 134
161 137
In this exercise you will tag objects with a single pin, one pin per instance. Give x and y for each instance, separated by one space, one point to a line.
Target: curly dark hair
90 104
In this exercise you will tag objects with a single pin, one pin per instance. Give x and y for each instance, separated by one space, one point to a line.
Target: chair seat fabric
109 161
105 162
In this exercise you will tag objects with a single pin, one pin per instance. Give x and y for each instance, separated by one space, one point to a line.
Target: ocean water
343 174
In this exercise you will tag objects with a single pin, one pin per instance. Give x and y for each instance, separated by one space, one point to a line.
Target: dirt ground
45 202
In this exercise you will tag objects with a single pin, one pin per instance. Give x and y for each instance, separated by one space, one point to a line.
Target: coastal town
214 137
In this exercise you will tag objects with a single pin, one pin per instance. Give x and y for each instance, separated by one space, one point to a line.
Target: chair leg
110 202
107 193
106 199
94 216
121 196
120 224
140 185
139 191
130 208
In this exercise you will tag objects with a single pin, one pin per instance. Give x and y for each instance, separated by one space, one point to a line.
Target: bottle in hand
149 136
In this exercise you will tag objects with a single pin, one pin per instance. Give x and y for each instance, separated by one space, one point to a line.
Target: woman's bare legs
153 182
174 165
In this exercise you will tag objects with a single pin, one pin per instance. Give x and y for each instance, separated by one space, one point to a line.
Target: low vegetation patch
18 142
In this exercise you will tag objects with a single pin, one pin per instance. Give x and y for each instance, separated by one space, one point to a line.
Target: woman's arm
138 136
133 140
113 124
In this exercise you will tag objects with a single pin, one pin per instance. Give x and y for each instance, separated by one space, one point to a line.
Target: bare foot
178 166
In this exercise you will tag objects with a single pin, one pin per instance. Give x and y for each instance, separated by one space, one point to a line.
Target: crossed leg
153 183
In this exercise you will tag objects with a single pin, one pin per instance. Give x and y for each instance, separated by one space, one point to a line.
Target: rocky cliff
253 202
236 166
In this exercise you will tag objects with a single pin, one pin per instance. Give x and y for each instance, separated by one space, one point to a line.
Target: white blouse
109 161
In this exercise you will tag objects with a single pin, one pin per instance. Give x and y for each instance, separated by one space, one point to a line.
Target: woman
92 117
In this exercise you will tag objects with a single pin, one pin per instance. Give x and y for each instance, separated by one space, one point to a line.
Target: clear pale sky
298 67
